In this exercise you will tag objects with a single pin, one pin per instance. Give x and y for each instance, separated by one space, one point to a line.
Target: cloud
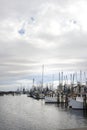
33 32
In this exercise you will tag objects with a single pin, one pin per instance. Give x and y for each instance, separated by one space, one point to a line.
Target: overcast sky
36 32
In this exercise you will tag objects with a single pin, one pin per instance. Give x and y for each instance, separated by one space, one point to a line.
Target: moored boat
77 103
50 99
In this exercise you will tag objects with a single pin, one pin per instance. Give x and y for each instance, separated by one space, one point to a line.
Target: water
24 113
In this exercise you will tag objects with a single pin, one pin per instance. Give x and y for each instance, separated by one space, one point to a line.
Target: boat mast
42 75
59 77
62 78
52 81
33 84
84 77
76 77
73 78
80 77
66 79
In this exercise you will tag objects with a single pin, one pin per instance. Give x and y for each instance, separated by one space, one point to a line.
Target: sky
37 32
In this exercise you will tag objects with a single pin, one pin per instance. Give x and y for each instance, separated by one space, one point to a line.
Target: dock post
58 98
84 102
66 100
62 97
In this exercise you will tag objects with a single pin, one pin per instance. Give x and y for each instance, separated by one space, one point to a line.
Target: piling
58 98
84 103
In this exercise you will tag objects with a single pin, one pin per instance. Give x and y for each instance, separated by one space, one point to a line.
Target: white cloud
36 32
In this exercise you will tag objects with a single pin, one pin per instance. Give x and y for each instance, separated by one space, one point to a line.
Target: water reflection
78 113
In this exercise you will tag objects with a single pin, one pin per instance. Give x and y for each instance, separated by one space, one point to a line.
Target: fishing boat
28 95
76 103
41 96
50 99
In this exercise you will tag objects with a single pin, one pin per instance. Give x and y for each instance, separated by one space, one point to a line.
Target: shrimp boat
50 99
77 103
51 96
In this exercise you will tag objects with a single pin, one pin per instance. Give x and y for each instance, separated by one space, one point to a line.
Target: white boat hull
51 99
75 104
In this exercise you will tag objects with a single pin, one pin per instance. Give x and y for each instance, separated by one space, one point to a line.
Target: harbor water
25 113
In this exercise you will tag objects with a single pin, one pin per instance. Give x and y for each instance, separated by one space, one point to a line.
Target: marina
73 94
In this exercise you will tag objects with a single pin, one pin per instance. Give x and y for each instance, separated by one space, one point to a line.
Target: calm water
24 113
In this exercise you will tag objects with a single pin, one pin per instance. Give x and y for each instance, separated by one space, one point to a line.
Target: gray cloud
54 35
